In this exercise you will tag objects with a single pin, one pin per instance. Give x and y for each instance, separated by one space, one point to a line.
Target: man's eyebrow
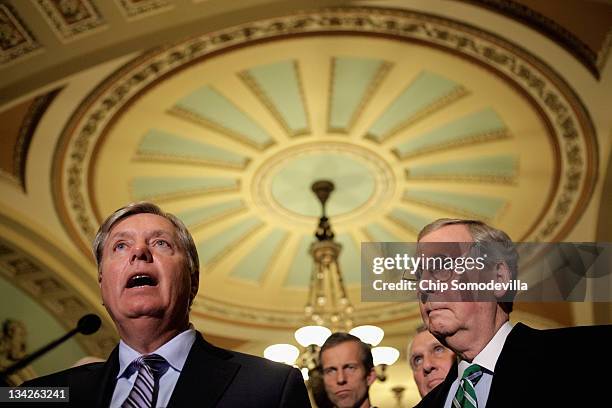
159 233
120 234
129 234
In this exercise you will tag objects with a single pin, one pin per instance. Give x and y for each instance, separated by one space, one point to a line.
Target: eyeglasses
442 267
437 270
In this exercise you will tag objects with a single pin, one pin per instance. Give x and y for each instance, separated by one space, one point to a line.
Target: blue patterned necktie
144 393
466 394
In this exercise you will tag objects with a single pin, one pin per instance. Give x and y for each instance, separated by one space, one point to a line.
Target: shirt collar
487 358
174 351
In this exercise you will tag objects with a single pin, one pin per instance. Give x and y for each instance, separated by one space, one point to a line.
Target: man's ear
195 285
371 377
502 275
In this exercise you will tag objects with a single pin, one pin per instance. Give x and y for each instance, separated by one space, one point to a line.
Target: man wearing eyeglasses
500 364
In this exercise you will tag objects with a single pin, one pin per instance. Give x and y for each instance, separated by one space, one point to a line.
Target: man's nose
428 365
340 377
141 253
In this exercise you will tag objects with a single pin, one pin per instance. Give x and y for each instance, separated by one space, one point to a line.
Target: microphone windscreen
89 324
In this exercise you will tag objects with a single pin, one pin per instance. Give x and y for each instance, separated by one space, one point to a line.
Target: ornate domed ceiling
413 117
224 113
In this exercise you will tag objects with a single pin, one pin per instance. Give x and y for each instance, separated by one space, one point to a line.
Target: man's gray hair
483 233
185 239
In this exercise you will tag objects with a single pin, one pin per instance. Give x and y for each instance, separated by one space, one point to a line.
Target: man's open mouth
141 280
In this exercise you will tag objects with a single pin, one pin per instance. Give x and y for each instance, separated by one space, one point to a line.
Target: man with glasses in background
501 364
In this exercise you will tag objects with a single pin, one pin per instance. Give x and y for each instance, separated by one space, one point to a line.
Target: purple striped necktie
144 392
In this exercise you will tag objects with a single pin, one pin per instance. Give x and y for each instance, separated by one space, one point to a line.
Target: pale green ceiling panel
41 328
502 168
254 264
481 206
378 233
301 266
354 183
162 187
278 85
157 143
204 214
213 107
479 126
425 91
351 81
350 259
218 245
408 219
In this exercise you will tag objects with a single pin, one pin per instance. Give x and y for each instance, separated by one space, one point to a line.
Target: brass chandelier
328 308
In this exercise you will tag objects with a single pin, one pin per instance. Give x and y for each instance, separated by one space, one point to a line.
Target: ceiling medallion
278 183
391 172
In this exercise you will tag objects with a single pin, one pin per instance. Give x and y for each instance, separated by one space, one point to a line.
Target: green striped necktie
466 394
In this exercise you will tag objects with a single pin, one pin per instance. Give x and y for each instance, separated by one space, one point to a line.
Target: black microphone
88 324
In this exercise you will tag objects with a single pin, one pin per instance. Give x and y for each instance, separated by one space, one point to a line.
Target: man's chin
441 330
434 383
144 312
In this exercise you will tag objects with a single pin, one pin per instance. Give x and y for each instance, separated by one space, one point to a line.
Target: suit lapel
207 373
512 354
446 385
108 379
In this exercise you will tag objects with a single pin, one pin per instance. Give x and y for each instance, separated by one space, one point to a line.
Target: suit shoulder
429 400
579 334
252 361
64 377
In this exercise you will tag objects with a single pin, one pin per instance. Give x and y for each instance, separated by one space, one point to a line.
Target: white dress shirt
175 352
487 359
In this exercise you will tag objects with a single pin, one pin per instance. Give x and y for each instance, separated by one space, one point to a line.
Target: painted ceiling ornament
416 116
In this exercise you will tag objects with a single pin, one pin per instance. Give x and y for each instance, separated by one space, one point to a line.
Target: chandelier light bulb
385 355
371 335
305 375
308 335
282 353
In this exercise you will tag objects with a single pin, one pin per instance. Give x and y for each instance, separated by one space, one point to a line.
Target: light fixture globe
371 335
385 355
282 353
309 335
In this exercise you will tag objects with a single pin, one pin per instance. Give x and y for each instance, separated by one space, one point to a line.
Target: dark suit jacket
211 377
542 368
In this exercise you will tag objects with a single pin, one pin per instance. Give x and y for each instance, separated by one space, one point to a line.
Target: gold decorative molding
261 191
426 111
16 41
461 141
136 9
219 309
374 84
567 122
252 84
196 119
71 19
